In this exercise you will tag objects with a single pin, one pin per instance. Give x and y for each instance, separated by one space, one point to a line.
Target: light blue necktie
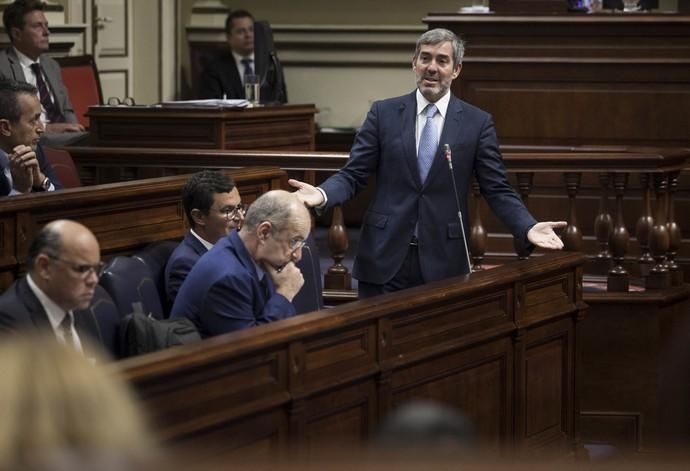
428 143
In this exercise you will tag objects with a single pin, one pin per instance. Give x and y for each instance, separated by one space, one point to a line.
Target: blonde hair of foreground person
57 406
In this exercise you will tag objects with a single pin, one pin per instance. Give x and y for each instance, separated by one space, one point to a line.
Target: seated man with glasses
213 207
64 264
250 277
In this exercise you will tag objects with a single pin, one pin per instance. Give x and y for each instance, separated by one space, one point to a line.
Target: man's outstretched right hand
307 193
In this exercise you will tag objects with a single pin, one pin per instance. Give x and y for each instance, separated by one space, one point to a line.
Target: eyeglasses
295 243
116 101
233 212
83 270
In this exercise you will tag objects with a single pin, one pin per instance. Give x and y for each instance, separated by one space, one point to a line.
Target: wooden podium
287 127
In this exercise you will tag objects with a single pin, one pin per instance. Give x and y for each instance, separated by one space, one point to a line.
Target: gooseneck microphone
449 159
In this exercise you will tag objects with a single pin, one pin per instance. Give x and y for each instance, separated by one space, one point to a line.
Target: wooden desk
578 79
123 216
288 127
500 346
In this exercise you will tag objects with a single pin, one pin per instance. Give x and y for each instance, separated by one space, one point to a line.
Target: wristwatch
44 186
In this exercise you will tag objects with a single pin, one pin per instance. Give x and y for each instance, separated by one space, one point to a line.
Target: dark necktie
428 143
266 287
52 112
66 329
247 62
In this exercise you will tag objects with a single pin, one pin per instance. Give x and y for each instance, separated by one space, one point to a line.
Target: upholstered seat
80 76
131 285
155 256
106 316
62 164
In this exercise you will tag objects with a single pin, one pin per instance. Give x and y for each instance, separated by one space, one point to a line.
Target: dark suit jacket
10 68
221 76
45 166
180 263
21 311
386 146
223 293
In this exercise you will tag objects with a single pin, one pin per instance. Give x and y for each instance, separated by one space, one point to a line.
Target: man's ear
42 265
5 127
198 217
456 72
263 230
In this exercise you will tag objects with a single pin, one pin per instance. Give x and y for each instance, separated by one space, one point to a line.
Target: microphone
315 274
449 159
264 42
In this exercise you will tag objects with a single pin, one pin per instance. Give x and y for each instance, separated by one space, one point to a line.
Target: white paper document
209 103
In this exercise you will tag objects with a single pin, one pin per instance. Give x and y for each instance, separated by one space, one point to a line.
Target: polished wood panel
612 79
287 127
337 373
123 216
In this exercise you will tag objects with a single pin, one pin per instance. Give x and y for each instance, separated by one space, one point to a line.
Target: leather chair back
80 76
310 297
63 166
104 314
131 285
155 256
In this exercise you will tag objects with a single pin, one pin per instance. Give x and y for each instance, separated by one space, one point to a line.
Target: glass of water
251 89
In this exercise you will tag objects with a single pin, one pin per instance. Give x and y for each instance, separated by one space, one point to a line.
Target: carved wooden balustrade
550 181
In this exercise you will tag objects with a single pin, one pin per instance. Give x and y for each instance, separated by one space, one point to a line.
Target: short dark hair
9 104
198 192
234 15
14 13
47 241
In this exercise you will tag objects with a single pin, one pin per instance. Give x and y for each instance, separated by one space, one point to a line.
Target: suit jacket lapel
15 65
33 305
449 135
408 115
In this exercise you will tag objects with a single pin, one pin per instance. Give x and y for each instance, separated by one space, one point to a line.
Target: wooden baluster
478 236
572 236
338 276
644 226
659 276
618 279
524 180
674 235
603 223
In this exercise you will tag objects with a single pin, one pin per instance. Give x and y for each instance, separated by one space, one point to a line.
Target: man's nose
297 255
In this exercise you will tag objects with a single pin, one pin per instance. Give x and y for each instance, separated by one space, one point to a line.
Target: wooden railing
123 216
501 346
574 179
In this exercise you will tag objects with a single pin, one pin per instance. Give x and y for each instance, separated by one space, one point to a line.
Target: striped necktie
247 62
66 330
53 114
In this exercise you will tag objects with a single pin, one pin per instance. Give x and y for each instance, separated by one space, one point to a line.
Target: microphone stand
449 159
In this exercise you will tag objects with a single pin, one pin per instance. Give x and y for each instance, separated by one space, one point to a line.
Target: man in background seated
25 61
224 76
213 208
64 263
249 278
24 167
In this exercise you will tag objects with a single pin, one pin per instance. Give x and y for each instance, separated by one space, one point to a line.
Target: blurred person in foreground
60 411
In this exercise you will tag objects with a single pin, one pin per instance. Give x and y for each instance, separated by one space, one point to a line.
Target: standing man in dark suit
250 277
64 263
213 208
224 76
25 61
23 166
411 234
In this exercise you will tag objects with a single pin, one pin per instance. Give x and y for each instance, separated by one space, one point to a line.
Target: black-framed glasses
232 212
83 270
117 101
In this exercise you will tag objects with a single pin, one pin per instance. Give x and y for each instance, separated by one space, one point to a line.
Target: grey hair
276 207
47 241
441 35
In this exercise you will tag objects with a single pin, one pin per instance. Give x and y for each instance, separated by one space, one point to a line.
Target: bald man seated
249 277
64 264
